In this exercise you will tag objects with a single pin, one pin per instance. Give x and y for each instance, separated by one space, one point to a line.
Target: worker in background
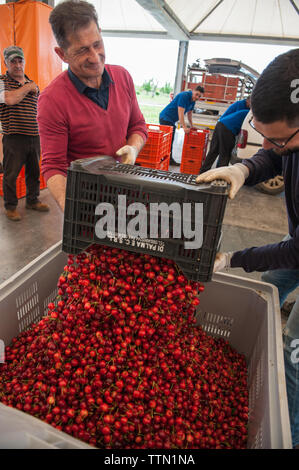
89 110
224 135
275 109
21 145
175 111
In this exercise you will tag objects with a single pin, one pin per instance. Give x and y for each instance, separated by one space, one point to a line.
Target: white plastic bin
244 311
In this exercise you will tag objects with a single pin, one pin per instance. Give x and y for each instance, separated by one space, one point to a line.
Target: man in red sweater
91 109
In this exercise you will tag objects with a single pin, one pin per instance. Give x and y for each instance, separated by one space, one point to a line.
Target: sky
157 58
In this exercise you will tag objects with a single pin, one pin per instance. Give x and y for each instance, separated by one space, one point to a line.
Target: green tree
167 88
148 85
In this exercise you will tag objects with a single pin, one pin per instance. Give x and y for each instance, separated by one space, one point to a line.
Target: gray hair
69 16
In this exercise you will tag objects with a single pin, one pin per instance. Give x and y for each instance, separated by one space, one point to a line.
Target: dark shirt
100 96
266 164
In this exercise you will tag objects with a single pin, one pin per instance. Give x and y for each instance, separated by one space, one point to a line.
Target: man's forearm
57 187
12 97
189 114
136 141
181 113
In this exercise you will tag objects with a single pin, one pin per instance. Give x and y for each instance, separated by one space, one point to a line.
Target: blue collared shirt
184 100
100 96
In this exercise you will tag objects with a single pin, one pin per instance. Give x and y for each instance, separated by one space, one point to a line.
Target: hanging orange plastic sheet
26 24
33 33
6 30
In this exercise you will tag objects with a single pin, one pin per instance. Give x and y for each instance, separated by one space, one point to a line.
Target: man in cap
21 146
91 109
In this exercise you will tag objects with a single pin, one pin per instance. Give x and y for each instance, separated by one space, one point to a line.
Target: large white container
246 312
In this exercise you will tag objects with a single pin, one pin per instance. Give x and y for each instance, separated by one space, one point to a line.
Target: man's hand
33 88
186 129
235 175
128 154
16 95
222 261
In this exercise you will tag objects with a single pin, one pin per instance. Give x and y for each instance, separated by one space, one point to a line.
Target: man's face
279 132
16 67
196 95
85 53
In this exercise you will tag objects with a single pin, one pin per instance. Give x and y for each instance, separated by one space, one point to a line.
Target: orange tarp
26 24
6 30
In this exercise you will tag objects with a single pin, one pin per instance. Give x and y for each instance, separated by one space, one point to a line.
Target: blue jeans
287 280
291 364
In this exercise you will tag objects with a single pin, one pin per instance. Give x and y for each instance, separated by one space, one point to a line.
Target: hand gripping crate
243 311
102 180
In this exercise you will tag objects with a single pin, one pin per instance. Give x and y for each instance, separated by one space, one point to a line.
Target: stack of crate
194 151
156 151
220 87
21 183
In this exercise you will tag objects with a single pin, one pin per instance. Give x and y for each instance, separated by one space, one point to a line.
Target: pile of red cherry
119 361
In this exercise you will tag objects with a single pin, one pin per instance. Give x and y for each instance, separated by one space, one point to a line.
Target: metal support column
181 66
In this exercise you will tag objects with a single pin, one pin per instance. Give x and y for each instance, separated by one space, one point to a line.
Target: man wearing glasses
275 109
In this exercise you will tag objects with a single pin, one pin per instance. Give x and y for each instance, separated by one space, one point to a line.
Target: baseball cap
12 52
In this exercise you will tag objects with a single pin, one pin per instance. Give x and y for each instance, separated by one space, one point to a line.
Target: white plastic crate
19 430
244 311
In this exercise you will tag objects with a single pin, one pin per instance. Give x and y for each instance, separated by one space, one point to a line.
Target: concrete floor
251 219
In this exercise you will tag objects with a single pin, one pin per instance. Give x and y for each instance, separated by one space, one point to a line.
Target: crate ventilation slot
217 325
27 304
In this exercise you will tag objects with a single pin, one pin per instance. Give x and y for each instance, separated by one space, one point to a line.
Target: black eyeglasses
271 140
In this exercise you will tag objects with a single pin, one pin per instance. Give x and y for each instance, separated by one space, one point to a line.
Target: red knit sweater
71 126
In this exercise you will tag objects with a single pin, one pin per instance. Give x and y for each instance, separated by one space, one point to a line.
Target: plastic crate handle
84 163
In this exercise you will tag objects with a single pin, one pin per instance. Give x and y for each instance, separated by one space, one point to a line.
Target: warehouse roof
256 21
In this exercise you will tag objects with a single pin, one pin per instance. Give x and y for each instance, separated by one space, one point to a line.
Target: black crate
97 180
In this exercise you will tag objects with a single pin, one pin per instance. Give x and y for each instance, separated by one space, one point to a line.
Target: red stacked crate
43 183
156 151
220 87
231 89
214 86
194 150
21 184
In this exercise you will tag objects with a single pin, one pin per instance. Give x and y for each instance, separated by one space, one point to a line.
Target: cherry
120 363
